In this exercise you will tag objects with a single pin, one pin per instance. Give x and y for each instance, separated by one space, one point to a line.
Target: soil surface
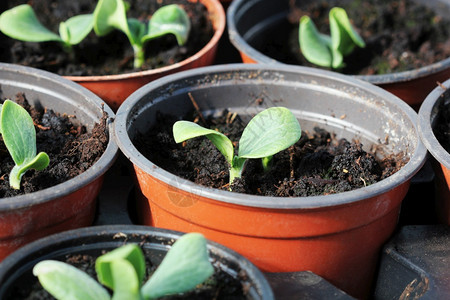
72 150
400 35
317 164
220 285
442 129
111 54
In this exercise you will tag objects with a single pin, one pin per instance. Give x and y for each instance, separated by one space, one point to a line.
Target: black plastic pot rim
404 76
104 231
91 174
428 111
417 158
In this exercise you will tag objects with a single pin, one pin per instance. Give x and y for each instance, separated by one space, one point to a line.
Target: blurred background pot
70 204
93 241
252 23
428 120
336 236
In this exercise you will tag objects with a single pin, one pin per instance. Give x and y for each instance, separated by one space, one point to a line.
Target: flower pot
93 240
336 236
252 23
428 119
70 204
114 89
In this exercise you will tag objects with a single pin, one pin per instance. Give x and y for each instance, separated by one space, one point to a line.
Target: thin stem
139 56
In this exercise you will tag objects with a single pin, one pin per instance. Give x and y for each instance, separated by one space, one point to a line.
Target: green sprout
19 136
185 266
22 24
267 133
329 51
169 19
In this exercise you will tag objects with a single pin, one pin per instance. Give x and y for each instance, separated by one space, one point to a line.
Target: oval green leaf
79 27
343 36
39 162
22 24
169 19
131 253
315 47
185 266
110 15
65 282
269 132
185 130
126 282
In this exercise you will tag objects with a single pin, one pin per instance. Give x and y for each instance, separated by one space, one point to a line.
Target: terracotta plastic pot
250 23
67 205
428 114
93 240
114 89
336 236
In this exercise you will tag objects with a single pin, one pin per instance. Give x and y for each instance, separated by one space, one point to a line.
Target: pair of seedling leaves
19 136
122 270
329 51
21 23
267 133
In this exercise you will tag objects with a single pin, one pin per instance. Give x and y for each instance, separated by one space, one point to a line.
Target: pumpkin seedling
22 24
169 19
267 133
19 136
329 51
122 270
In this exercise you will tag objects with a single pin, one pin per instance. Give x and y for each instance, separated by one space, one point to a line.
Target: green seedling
329 51
19 136
22 24
122 270
169 19
268 133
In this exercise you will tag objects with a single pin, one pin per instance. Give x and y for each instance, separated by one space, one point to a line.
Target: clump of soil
220 285
442 129
72 150
400 35
318 164
111 54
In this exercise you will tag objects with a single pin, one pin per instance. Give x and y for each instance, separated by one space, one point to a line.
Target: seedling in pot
329 51
22 24
268 133
185 266
19 136
169 19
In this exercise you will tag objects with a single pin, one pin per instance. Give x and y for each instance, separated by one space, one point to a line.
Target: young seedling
19 136
268 133
324 50
22 24
122 270
169 19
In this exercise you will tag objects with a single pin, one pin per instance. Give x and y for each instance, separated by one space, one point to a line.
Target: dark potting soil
400 35
111 54
442 129
318 164
72 150
220 285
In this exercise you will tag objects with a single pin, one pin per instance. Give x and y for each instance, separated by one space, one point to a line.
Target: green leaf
269 132
78 28
185 266
315 47
169 19
22 24
131 253
65 282
126 282
185 130
39 162
343 37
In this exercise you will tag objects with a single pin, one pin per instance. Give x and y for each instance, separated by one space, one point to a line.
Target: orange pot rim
88 176
417 158
220 20
427 116
238 41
